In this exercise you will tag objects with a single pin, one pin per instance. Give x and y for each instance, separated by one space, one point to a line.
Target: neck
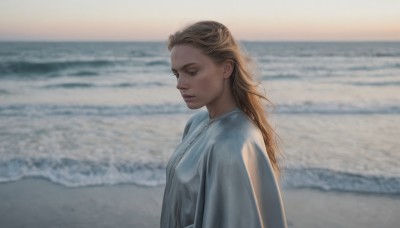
222 104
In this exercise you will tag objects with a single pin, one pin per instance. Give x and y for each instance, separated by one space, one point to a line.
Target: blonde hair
216 41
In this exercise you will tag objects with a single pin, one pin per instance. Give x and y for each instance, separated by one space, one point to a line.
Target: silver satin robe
220 177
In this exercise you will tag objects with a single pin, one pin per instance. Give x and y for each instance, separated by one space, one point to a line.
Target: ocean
106 113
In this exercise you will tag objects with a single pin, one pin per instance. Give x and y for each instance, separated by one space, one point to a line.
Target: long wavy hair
217 42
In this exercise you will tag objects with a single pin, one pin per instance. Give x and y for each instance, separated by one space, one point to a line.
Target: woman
224 172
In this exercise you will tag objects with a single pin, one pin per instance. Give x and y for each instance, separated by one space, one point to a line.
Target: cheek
209 85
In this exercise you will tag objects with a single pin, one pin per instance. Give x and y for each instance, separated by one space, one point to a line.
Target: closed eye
189 71
192 73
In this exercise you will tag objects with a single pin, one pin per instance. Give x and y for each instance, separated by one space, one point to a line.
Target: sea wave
70 85
73 85
4 92
157 63
76 173
374 67
281 77
373 84
383 54
27 68
85 73
7 53
144 84
140 53
90 110
352 54
326 179
305 108
310 107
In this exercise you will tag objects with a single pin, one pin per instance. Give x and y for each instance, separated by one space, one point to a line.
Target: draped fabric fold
220 176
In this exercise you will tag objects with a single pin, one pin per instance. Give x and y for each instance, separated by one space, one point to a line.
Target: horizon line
161 41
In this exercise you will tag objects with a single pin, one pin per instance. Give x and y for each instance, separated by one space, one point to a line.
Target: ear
228 68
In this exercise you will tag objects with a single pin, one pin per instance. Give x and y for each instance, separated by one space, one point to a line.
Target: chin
194 106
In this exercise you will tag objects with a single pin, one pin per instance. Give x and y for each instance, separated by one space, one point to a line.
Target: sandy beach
108 115
39 203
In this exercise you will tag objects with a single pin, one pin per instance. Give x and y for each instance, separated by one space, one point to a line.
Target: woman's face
199 79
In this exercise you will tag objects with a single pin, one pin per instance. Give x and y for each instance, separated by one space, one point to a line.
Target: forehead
184 54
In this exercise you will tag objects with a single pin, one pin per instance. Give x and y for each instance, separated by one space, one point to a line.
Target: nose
182 83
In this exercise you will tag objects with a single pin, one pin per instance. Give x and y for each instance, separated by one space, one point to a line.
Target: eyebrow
183 67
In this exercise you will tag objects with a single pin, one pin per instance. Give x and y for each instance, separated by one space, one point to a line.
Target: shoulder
194 121
237 128
237 136
198 117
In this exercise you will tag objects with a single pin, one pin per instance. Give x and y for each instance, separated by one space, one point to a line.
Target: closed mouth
187 96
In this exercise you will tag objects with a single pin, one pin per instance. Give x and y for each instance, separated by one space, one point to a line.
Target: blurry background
87 97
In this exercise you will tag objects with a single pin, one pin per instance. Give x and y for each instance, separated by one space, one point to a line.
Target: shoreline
36 202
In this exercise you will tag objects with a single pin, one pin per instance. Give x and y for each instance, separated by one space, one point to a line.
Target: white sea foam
83 114
78 173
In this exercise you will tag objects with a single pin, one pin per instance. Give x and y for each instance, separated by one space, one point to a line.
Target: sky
150 20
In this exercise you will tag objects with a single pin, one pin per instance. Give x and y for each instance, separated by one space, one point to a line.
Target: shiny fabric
220 177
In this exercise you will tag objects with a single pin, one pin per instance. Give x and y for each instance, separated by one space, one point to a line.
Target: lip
187 98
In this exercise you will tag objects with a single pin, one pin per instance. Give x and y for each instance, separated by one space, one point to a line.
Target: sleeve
240 188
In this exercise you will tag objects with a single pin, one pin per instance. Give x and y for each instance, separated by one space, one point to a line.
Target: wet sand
40 203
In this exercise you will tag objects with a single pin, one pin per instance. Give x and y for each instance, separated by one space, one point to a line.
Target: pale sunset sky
150 20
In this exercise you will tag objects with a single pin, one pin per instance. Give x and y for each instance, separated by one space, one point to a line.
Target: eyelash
192 73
